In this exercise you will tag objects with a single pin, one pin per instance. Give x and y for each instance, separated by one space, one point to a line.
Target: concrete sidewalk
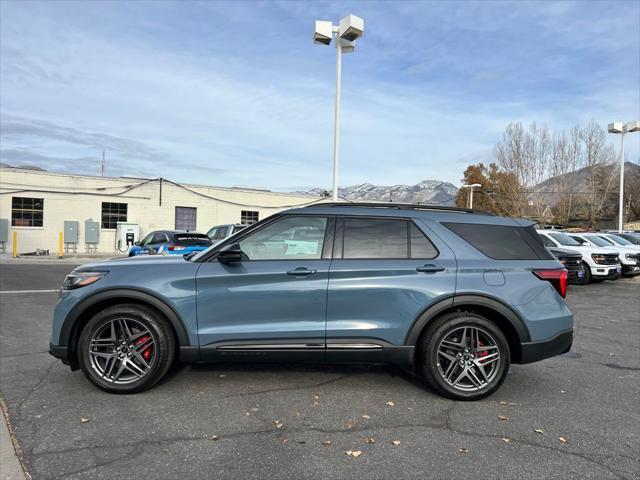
10 468
53 259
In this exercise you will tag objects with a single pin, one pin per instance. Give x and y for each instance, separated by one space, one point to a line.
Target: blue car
456 294
170 242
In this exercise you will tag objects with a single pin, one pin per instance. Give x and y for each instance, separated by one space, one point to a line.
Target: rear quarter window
502 242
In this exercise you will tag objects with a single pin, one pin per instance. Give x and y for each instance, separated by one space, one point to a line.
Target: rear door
385 273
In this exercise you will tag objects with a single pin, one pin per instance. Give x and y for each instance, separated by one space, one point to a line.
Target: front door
274 300
385 273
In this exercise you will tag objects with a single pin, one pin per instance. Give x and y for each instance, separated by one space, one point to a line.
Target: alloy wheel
468 358
122 351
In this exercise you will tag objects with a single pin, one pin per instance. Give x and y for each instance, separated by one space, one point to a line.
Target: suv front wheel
126 348
465 356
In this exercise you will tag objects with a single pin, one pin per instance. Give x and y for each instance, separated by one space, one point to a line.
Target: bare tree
565 159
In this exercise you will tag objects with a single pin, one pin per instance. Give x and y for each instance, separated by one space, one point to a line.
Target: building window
186 218
247 217
26 212
112 213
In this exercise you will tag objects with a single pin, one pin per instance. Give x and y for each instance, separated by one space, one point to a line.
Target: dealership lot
232 421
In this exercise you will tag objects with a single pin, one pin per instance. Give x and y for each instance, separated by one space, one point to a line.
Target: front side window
619 240
375 238
291 238
27 212
159 238
112 213
248 217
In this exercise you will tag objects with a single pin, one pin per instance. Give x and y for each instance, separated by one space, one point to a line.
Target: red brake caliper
482 354
146 354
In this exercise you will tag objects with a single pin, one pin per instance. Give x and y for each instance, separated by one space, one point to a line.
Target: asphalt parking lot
574 416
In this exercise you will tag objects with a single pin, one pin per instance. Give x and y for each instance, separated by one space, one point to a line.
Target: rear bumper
535 351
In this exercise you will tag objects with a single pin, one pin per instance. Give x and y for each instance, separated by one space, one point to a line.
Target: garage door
186 218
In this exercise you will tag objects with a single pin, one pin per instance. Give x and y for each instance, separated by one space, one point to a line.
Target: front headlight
598 258
81 279
631 257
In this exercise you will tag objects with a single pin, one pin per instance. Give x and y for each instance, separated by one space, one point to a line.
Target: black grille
608 259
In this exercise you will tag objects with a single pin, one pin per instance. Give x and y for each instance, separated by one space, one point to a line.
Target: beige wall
76 197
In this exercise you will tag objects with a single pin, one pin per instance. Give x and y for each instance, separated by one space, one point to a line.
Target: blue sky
237 94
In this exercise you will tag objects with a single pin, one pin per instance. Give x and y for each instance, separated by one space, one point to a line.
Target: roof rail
399 206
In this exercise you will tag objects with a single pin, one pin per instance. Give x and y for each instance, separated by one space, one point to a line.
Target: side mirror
230 254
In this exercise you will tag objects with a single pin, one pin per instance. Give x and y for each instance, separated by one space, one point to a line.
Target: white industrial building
35 204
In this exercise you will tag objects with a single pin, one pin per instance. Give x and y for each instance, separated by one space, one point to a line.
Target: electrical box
91 232
127 234
71 231
4 230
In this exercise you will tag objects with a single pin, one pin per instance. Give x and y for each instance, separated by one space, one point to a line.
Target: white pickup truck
599 263
629 253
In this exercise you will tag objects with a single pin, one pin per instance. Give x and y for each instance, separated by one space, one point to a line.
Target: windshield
599 241
619 240
564 239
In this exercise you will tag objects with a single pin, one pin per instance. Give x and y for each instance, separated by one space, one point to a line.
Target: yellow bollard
60 245
15 244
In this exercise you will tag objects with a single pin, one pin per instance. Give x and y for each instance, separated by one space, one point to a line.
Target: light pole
347 32
618 127
471 187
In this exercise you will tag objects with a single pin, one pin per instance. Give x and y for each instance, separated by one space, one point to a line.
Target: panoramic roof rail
399 206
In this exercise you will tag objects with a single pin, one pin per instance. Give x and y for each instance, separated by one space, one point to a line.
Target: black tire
432 368
587 273
162 346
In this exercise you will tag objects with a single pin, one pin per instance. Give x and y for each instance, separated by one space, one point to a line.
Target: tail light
173 248
557 277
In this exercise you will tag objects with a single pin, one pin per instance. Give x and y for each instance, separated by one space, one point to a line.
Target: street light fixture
346 33
471 187
622 129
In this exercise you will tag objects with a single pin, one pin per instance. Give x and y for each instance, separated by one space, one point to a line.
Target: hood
133 261
561 252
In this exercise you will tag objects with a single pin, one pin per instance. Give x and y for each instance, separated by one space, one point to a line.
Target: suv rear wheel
126 348
465 356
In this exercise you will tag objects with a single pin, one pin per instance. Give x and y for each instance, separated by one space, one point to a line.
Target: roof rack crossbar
399 206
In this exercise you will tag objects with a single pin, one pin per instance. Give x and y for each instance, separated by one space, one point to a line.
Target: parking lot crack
287 389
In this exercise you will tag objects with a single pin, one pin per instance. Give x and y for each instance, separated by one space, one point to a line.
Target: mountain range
433 192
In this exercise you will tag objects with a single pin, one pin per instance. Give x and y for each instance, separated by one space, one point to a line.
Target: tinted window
287 239
619 240
196 239
421 247
502 242
547 241
599 241
237 228
564 239
159 238
375 238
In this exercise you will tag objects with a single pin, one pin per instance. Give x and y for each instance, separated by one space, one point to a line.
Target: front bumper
535 351
630 269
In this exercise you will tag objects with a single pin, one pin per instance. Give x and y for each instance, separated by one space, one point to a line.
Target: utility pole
102 164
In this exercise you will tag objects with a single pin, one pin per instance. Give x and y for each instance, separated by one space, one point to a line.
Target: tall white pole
336 127
621 206
471 198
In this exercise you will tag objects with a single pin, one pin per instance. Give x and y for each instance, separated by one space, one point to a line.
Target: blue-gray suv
457 294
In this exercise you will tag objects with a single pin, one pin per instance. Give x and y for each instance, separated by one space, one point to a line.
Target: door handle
430 268
302 272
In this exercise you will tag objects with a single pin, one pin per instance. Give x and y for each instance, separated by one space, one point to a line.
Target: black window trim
339 241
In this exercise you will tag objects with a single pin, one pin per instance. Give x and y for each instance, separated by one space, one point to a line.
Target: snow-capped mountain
427 191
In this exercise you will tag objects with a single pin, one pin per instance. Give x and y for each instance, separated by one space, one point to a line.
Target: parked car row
603 255
179 242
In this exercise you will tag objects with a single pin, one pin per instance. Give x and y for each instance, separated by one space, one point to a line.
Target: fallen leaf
356 453
222 375
315 404
563 391
506 440
84 419
510 404
315 397
302 442
390 403
214 437
248 414
539 430
285 440
395 442
562 439
327 443
278 423
366 417
370 440
255 409
504 418
463 450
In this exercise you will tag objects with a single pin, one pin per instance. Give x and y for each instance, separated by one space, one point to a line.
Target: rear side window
502 242
375 238
421 247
